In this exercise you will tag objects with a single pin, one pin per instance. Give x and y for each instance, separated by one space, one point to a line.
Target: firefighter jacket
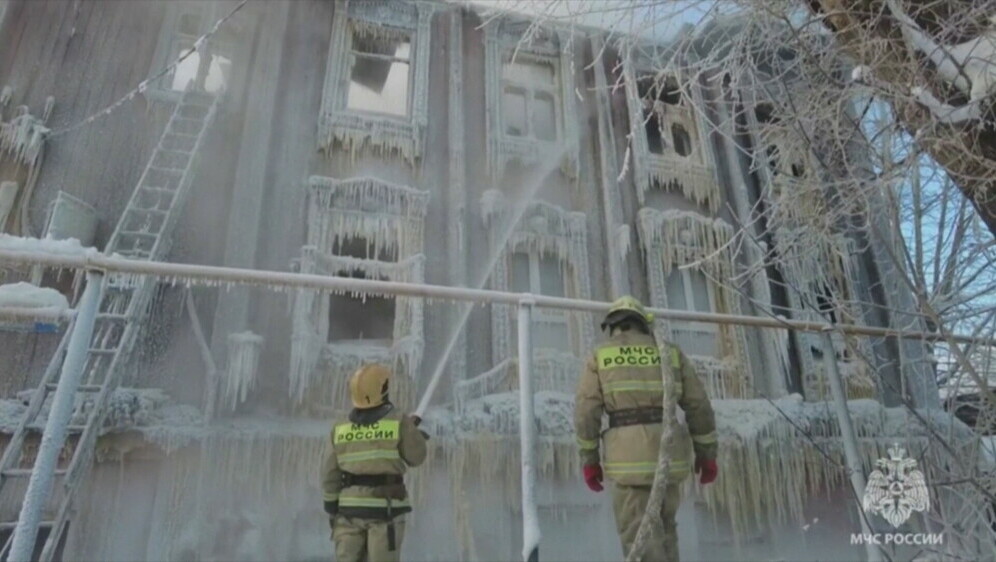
624 376
384 448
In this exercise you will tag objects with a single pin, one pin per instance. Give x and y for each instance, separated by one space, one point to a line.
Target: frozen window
186 72
528 105
369 318
514 111
682 142
542 275
380 74
690 289
544 117
655 95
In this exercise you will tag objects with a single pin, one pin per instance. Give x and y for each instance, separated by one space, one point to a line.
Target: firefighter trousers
366 540
629 504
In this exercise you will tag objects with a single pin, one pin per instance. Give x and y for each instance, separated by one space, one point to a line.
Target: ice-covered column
611 204
54 435
850 439
527 436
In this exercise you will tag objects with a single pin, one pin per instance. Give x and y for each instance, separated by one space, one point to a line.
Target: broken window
682 142
379 80
529 106
367 318
542 275
192 22
656 95
689 289
186 72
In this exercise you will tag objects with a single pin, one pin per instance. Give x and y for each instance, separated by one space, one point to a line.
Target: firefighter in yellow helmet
623 378
362 474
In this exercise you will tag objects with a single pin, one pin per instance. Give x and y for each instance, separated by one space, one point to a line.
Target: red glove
593 477
708 468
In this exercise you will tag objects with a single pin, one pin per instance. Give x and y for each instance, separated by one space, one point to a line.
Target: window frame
691 326
351 57
542 315
173 41
530 91
340 126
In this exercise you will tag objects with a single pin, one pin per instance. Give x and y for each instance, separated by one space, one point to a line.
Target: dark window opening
357 247
654 95
379 78
655 137
765 114
682 141
773 158
825 303
367 318
798 170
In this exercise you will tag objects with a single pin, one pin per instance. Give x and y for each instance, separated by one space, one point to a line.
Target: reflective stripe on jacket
387 446
626 372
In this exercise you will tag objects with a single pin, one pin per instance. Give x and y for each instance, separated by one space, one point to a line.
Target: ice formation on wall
543 229
316 362
671 238
356 129
239 376
690 174
769 465
388 216
22 139
553 371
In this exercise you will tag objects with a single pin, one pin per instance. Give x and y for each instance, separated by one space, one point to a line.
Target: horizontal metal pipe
210 274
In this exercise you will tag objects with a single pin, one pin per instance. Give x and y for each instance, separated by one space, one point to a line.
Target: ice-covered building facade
402 140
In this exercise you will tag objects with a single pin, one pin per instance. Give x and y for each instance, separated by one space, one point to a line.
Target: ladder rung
28 471
81 388
178 134
143 210
155 189
178 171
138 233
98 351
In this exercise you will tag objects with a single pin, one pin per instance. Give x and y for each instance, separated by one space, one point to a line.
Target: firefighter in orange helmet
623 378
362 474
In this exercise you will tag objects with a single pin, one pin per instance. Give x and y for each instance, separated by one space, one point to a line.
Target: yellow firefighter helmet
624 307
368 385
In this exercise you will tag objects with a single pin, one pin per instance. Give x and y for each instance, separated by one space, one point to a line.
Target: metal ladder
143 233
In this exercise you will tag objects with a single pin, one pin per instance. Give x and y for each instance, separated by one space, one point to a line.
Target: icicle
623 240
243 366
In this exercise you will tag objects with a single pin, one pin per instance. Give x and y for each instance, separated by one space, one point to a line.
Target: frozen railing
98 264
207 275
